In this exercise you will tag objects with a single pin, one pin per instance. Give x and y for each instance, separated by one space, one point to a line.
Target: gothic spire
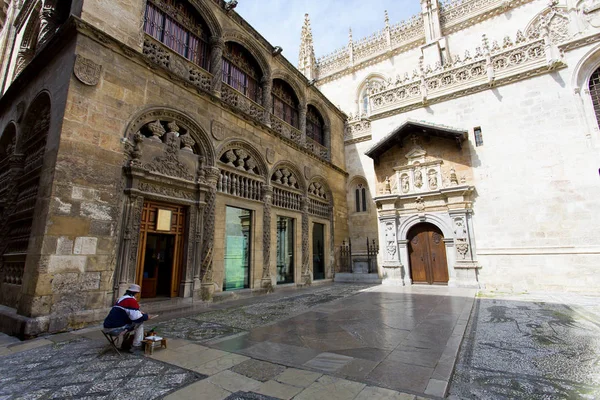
307 62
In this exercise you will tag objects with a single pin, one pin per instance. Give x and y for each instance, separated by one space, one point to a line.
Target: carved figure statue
460 230
453 177
388 186
405 184
433 182
418 178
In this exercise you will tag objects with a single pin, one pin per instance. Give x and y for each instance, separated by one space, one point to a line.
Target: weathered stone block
85 245
64 246
63 264
96 211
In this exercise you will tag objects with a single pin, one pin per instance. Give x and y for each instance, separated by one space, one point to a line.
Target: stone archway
427 255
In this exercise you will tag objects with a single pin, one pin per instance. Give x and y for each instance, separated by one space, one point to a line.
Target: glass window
318 251
179 29
364 199
357 199
285 103
238 231
595 92
241 72
478 137
285 250
315 125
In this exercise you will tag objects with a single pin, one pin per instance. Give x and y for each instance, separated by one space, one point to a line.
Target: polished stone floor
404 339
530 346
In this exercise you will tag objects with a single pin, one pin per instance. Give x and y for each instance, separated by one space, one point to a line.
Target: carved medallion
218 130
270 156
307 172
87 71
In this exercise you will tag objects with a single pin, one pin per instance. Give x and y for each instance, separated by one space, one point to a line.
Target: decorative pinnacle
387 20
350 36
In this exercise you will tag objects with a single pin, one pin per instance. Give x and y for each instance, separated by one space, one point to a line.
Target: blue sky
280 22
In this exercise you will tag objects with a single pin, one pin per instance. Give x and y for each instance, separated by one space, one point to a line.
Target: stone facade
130 123
520 74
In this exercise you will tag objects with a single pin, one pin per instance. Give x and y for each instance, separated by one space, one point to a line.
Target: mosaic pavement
81 369
217 324
530 347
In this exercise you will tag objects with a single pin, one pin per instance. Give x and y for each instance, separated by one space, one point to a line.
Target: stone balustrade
157 53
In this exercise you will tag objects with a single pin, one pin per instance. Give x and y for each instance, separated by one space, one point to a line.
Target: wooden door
149 226
427 253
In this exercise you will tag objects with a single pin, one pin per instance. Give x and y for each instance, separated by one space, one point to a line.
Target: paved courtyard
342 341
530 346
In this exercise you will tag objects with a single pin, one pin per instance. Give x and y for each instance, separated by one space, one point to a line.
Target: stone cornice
113 44
580 42
473 12
471 17
361 139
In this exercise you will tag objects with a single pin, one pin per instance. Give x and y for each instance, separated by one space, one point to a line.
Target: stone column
404 262
302 121
217 44
461 251
48 21
306 271
267 194
129 250
206 275
266 84
197 245
388 243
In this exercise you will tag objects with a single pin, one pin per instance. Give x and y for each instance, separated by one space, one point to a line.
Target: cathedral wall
535 178
495 28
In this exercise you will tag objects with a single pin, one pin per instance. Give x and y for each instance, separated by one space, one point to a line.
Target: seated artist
126 314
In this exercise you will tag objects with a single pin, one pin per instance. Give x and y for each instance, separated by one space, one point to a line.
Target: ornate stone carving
217 130
270 155
157 130
48 21
405 183
267 194
432 179
87 71
283 176
169 164
166 191
188 143
418 178
307 172
318 190
462 248
240 159
212 175
305 238
420 203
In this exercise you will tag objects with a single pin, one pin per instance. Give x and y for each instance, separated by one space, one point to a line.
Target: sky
280 22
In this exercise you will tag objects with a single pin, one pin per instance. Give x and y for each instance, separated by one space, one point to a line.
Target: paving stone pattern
81 369
220 323
249 396
534 347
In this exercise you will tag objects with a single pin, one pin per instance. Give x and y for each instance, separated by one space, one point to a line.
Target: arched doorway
427 253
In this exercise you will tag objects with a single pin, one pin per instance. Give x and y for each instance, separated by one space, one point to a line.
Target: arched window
178 26
285 103
595 92
241 71
369 86
360 198
315 125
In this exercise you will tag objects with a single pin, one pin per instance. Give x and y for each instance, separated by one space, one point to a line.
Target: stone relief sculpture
405 184
453 177
418 179
388 186
433 180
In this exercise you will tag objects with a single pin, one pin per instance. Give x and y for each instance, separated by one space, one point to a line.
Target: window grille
173 24
285 104
315 125
478 137
595 92
241 72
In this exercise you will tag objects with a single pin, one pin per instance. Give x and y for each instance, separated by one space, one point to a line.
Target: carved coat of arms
87 71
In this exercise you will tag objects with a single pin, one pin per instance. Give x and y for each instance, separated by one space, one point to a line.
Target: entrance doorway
427 253
160 257
238 229
318 251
